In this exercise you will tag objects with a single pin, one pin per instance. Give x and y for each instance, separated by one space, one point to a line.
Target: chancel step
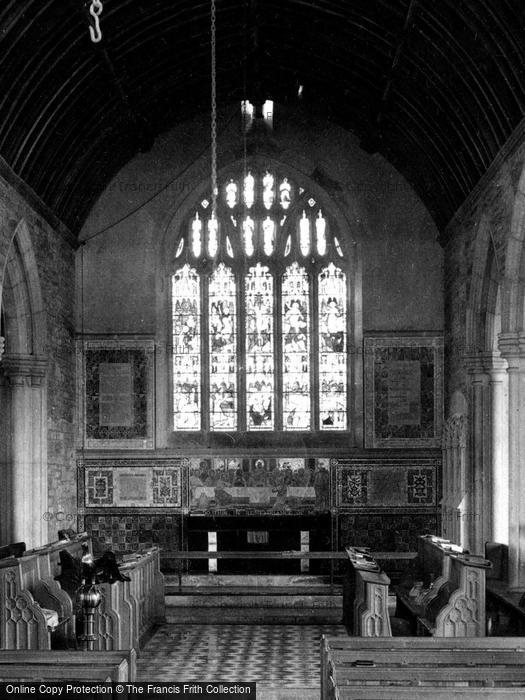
260 599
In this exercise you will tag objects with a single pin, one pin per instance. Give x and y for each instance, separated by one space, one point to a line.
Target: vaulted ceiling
436 86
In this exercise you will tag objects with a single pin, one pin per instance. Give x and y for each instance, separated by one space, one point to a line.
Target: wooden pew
15 549
68 665
123 661
127 614
365 596
425 693
23 622
29 590
350 661
452 603
130 609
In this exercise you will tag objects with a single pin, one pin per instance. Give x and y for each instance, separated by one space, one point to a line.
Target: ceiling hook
95 10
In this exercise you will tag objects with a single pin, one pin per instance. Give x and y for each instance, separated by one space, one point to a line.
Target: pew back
421 661
124 659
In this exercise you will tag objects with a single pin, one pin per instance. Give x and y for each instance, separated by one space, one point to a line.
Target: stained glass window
296 349
304 234
285 193
268 190
259 349
320 231
213 236
186 349
222 326
268 227
249 190
271 277
332 349
248 228
196 235
231 194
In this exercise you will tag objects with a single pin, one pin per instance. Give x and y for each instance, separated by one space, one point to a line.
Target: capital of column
21 368
512 348
475 364
494 364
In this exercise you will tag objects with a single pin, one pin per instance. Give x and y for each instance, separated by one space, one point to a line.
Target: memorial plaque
115 390
115 394
403 391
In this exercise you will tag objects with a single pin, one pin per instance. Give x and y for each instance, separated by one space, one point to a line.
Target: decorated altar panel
237 485
375 500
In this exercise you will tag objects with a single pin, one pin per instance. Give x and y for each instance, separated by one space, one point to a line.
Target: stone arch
23 396
22 296
482 317
513 296
170 226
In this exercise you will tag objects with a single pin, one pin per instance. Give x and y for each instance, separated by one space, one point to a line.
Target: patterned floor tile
274 656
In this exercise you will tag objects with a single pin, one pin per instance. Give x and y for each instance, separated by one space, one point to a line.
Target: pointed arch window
260 316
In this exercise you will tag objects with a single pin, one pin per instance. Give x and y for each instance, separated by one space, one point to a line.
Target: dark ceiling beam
136 121
457 57
394 70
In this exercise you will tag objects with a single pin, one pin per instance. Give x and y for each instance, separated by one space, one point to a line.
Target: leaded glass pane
304 234
186 349
213 236
268 190
285 193
288 246
249 190
268 227
196 236
248 230
332 349
320 230
296 343
223 349
231 194
259 349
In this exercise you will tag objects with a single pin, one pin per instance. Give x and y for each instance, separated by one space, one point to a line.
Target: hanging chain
95 11
214 189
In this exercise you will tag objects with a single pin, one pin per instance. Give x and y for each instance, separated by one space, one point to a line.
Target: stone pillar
512 347
496 367
479 465
455 502
27 452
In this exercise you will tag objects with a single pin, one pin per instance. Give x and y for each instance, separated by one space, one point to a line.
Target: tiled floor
275 656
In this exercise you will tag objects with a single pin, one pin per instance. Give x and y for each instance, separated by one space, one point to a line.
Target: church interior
262 305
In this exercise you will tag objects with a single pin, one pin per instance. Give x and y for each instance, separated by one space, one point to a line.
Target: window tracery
260 313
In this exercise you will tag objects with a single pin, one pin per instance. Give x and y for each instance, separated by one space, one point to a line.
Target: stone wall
48 264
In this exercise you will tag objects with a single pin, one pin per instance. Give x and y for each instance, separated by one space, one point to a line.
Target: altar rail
397 560
350 665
